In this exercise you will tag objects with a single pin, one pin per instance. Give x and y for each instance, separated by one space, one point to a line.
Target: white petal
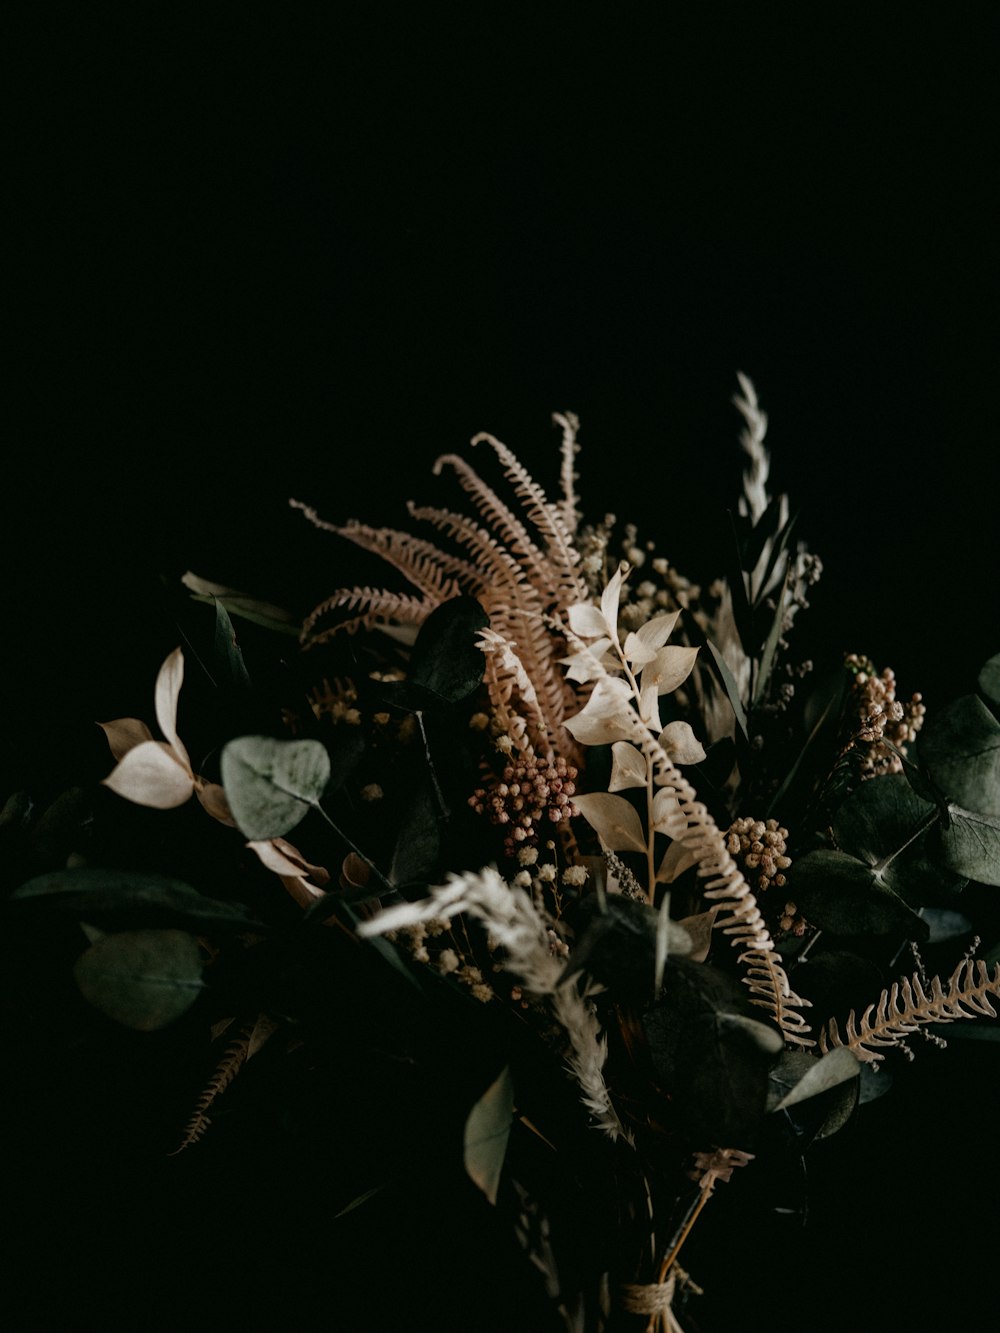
124 734
168 687
614 820
681 744
628 767
150 775
670 668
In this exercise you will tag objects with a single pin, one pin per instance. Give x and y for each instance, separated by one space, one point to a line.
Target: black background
263 257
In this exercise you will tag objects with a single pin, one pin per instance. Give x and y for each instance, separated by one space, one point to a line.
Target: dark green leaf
771 645
447 661
777 551
885 824
418 843
839 893
821 716
271 784
961 747
230 667
117 897
989 682
970 845
798 1076
616 944
736 579
143 979
487 1131
63 828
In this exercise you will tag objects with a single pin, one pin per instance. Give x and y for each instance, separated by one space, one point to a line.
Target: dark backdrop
262 258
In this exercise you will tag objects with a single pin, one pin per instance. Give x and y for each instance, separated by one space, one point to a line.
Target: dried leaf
628 767
586 621
676 860
699 929
213 798
642 646
615 821
668 817
124 734
168 688
150 775
610 600
681 744
670 668
607 715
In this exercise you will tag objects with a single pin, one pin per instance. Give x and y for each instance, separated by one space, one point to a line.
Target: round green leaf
970 845
143 979
270 784
961 748
880 824
989 681
839 893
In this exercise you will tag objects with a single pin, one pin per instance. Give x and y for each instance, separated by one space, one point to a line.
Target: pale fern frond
547 518
906 1005
378 608
568 476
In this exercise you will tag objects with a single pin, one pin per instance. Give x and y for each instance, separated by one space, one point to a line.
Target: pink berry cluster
528 793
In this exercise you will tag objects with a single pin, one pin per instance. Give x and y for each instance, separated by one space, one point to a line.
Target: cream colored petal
168 687
150 775
681 744
124 734
610 599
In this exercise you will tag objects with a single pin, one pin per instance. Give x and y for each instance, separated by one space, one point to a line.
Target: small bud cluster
759 846
423 941
528 793
879 716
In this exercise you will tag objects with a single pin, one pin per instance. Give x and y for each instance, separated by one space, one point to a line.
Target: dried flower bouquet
698 886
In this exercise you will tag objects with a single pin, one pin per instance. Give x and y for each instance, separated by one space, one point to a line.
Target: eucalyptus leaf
884 823
839 893
108 896
487 1130
446 660
242 604
970 845
961 747
63 828
271 784
143 979
617 945
798 1076
989 682
227 652
418 843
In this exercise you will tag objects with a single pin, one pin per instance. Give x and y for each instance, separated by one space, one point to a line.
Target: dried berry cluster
878 716
528 794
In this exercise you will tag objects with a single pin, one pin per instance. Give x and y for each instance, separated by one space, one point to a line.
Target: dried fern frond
907 1005
243 1047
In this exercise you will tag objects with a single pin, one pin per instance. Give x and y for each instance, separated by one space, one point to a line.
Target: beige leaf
168 687
124 734
681 744
610 599
592 662
649 703
699 928
318 874
670 668
150 775
675 861
262 1029
628 767
614 820
213 798
642 645
667 816
586 621
354 873
607 715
